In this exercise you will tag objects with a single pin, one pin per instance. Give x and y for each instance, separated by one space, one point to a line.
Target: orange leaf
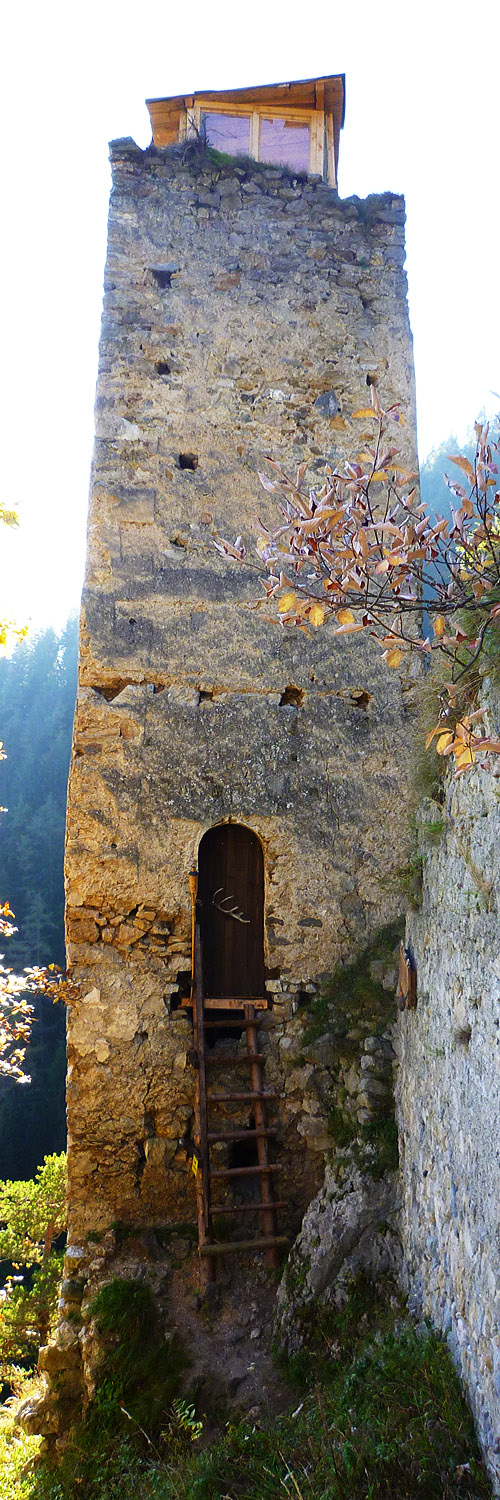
316 615
439 729
345 617
439 625
286 602
363 413
464 757
463 464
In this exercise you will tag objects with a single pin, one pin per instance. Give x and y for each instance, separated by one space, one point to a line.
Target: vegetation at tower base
375 1411
139 1369
363 550
32 1220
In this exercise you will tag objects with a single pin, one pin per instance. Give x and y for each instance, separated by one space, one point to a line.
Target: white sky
422 118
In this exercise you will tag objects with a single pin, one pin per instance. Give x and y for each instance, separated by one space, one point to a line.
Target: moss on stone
139 1375
353 996
382 1134
342 1127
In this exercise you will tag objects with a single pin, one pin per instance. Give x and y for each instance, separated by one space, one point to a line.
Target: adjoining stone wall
448 1093
275 305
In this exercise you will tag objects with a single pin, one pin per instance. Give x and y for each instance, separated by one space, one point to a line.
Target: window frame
314 118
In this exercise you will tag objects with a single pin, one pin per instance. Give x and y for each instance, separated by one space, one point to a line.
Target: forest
37 698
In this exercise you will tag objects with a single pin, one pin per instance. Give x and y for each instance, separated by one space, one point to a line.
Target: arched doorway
231 908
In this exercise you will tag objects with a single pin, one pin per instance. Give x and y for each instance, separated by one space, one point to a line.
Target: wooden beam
233 1247
330 146
246 1171
254 134
222 1002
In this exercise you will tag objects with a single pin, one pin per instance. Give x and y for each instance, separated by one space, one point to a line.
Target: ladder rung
255 1171
228 1002
227 1024
225 1061
239 1098
234 1002
247 1208
241 1135
231 1247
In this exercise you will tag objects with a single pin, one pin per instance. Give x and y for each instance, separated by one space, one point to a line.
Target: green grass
18 1455
196 154
141 1369
379 1415
432 832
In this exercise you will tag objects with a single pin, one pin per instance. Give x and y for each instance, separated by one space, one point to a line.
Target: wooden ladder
206 1175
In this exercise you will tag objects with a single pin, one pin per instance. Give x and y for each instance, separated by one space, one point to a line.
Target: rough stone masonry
245 312
448 1089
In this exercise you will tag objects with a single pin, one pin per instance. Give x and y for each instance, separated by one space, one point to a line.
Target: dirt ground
226 1329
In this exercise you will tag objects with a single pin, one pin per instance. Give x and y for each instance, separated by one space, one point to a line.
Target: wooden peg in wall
407 980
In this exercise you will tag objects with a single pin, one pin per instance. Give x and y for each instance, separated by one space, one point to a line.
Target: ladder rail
201 1117
269 1222
269 1240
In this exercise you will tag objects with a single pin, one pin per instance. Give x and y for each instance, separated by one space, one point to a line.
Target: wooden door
231 906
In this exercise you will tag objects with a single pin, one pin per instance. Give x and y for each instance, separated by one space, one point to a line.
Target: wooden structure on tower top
295 124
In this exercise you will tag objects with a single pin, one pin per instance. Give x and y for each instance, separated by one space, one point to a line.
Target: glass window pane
284 142
230 133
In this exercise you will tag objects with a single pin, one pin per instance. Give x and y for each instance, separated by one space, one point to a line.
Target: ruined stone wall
448 1093
192 709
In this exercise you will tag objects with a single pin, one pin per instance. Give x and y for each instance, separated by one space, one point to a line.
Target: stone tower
246 308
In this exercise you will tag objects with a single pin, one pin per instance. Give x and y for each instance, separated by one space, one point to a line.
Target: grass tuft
141 1368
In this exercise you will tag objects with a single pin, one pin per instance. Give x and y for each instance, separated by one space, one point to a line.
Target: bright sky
421 118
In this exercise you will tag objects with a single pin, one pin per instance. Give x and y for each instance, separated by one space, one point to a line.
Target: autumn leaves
363 552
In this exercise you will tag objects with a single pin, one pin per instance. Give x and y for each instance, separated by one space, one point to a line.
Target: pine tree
37 696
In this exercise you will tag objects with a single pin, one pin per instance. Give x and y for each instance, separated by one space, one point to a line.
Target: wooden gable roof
313 96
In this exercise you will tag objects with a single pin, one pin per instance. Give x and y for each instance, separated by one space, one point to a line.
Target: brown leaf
345 629
463 464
